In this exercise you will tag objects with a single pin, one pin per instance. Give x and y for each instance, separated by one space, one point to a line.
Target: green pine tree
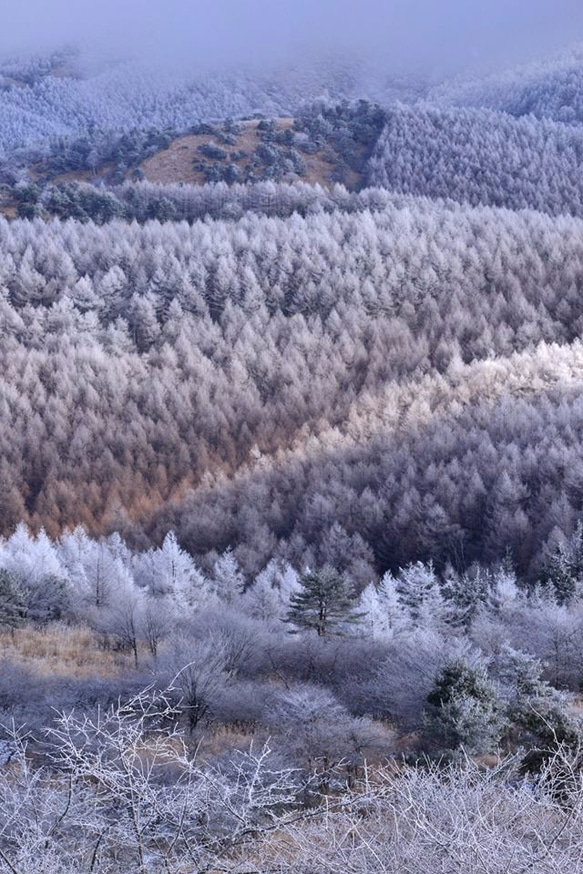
324 604
561 573
463 710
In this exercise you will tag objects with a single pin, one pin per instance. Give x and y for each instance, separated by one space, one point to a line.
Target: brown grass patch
224 739
83 175
59 650
176 163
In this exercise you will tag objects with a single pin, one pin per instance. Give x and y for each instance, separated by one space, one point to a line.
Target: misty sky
416 30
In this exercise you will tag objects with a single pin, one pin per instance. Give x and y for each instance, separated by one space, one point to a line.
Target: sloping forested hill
143 365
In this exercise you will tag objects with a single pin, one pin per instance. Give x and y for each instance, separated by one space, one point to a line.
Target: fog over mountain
430 32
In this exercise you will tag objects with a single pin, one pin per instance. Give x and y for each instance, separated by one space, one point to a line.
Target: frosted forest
291 465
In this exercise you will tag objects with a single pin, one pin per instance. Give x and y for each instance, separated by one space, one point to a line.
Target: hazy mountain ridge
133 95
548 89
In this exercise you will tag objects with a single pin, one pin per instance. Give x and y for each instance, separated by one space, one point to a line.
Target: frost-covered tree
170 571
384 616
34 565
228 581
563 568
417 586
269 595
123 620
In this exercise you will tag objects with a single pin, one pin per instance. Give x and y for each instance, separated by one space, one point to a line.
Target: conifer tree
463 709
415 584
229 582
560 570
324 603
